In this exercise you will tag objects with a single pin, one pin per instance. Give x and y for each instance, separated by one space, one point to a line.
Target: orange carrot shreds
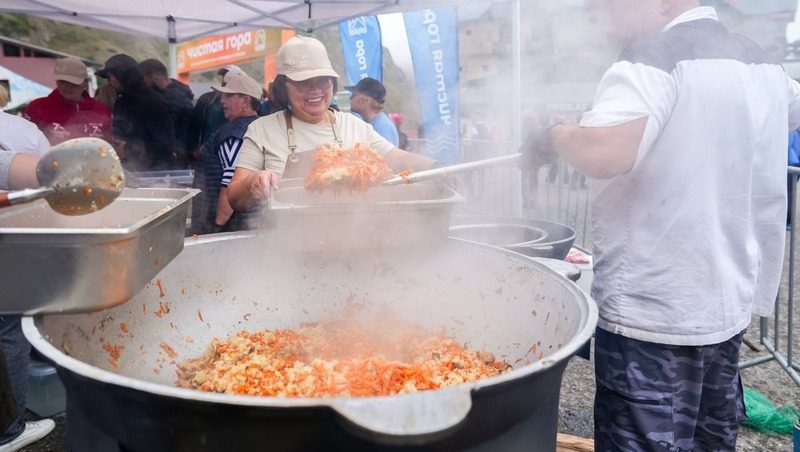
163 309
335 359
123 327
114 353
354 169
404 174
161 291
168 350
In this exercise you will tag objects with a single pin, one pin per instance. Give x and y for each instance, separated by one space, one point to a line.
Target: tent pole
516 108
172 37
173 60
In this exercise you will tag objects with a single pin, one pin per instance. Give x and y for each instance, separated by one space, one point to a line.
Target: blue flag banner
363 53
433 40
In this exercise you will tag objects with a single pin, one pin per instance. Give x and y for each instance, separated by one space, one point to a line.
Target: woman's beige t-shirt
266 143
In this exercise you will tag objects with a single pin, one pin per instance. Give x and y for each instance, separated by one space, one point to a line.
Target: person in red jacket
68 112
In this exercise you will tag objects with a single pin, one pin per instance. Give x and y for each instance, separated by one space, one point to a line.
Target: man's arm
22 171
599 152
224 208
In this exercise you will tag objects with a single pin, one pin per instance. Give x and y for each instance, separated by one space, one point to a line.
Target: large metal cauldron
489 298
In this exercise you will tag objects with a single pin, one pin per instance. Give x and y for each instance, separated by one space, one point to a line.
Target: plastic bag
763 416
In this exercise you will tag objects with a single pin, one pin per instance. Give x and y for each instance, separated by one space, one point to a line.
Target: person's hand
537 150
262 183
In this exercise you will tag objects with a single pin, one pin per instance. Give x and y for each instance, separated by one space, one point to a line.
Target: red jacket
61 119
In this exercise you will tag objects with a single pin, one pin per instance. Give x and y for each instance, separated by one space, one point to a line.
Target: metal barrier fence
782 331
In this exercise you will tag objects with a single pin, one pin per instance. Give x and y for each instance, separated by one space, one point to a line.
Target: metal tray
51 263
382 217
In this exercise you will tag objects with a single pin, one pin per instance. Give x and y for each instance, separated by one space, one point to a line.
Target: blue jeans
17 351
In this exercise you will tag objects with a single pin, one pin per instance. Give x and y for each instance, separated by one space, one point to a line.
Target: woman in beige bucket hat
281 144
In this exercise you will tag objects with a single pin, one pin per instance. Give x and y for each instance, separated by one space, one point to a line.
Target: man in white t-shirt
19 134
689 128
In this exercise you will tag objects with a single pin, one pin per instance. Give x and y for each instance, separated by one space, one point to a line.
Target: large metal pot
489 298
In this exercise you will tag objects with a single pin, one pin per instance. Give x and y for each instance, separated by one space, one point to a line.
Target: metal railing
773 340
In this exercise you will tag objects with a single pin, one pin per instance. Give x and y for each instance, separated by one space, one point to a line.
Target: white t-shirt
689 244
19 134
5 163
266 144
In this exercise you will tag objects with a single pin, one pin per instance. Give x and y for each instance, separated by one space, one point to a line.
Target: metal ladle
452 169
76 177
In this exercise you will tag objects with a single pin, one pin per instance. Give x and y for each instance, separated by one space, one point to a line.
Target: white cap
302 58
237 82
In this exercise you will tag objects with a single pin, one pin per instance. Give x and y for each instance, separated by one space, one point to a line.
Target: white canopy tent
182 20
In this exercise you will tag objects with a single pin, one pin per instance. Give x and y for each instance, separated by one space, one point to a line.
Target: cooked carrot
322 360
354 169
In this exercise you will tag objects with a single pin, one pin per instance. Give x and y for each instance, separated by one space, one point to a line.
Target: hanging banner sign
363 52
433 40
221 50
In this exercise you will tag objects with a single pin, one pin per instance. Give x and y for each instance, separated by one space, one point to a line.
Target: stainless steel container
531 237
119 370
381 217
56 263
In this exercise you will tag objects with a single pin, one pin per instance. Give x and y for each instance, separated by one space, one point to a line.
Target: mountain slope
90 43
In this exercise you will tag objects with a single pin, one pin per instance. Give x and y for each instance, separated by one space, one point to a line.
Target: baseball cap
237 82
301 58
117 64
370 87
224 70
70 70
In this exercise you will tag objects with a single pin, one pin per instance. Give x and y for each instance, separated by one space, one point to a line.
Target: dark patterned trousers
657 397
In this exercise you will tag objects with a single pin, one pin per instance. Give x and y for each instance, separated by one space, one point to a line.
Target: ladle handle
452 169
22 196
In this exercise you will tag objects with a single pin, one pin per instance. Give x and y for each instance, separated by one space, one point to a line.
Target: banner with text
363 53
433 40
221 50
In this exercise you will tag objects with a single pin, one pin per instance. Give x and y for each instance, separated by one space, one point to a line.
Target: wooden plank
569 443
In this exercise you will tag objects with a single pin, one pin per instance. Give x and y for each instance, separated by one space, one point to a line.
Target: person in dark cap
144 134
367 99
180 99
